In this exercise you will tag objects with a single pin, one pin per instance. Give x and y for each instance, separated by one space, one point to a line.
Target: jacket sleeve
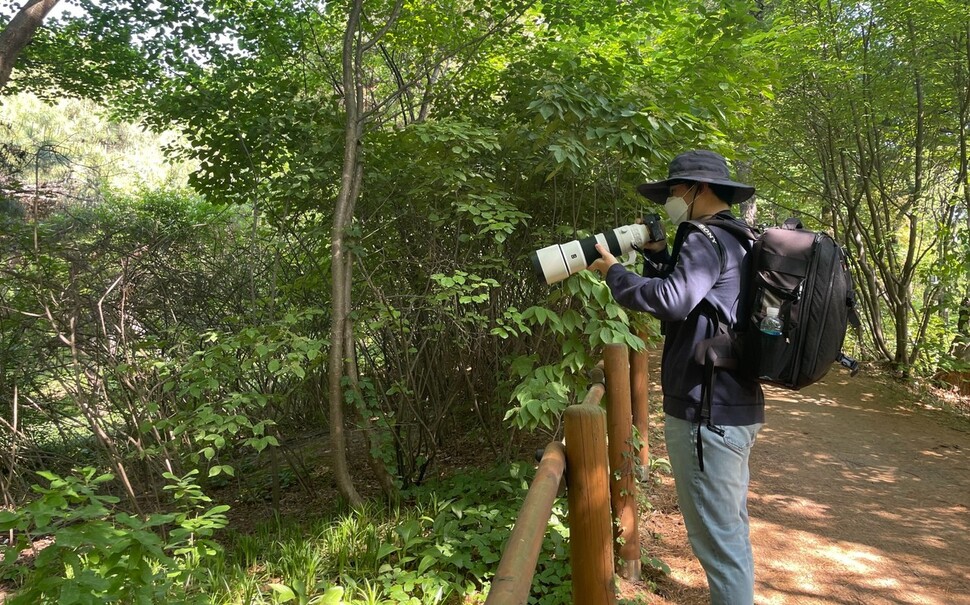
674 296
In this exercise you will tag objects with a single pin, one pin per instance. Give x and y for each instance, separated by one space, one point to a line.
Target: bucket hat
698 165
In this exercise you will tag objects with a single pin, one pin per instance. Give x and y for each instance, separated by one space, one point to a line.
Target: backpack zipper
814 272
800 342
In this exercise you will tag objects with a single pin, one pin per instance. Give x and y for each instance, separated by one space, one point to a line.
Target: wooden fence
598 463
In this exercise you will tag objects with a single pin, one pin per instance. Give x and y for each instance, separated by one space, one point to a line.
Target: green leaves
99 556
298 593
592 127
224 391
463 287
591 319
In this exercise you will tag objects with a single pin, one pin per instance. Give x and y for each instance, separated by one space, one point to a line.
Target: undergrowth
442 547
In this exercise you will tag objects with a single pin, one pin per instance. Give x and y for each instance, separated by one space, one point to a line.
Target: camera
557 262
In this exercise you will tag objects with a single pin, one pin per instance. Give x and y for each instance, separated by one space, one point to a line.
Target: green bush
99 556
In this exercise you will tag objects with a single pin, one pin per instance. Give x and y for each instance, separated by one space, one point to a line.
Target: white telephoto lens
572 253
630 237
557 262
550 264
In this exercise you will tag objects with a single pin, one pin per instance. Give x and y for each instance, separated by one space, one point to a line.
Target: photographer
687 293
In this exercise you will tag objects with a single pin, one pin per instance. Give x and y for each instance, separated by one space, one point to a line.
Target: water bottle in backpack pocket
771 347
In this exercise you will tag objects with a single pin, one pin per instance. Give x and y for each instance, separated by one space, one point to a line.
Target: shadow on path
857 498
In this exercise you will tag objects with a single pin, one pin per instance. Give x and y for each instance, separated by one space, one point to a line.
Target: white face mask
677 209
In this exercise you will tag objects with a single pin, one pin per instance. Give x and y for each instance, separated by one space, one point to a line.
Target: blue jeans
715 504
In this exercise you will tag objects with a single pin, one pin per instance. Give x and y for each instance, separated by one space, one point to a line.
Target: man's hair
725 193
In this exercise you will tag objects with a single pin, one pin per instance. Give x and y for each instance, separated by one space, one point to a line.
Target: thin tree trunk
340 286
748 208
377 465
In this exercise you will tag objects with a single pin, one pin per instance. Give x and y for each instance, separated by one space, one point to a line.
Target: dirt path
858 495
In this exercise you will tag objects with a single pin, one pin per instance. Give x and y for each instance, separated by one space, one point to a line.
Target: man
688 294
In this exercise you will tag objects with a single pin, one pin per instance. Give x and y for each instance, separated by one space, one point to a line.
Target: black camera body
655 228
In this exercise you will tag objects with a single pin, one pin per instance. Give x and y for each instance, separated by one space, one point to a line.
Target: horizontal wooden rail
513 579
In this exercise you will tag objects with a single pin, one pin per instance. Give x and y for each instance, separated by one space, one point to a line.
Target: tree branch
18 33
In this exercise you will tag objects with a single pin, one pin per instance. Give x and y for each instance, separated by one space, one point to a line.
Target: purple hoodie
673 299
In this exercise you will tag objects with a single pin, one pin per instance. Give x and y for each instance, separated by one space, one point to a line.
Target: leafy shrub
582 317
473 516
96 555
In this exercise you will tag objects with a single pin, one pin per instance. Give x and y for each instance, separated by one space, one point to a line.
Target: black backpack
802 273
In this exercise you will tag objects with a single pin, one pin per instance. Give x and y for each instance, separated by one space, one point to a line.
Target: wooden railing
598 463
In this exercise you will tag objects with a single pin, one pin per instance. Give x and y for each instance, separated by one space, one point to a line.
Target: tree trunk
18 34
748 208
901 359
384 478
341 330
340 259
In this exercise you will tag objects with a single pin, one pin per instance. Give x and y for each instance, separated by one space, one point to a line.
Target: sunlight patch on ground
852 558
932 454
882 474
804 567
805 508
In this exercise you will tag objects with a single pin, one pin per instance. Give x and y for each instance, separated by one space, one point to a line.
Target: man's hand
656 246
604 262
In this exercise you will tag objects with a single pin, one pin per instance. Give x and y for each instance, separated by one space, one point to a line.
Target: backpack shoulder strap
684 229
744 232
703 228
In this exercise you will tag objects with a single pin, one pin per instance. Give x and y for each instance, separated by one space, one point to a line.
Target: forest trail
858 495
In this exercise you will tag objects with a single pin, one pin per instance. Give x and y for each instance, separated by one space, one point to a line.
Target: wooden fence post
588 491
639 393
622 482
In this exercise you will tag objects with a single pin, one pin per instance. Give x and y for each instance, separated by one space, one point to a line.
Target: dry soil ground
859 494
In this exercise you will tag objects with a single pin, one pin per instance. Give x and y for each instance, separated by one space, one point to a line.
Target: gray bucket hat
701 166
